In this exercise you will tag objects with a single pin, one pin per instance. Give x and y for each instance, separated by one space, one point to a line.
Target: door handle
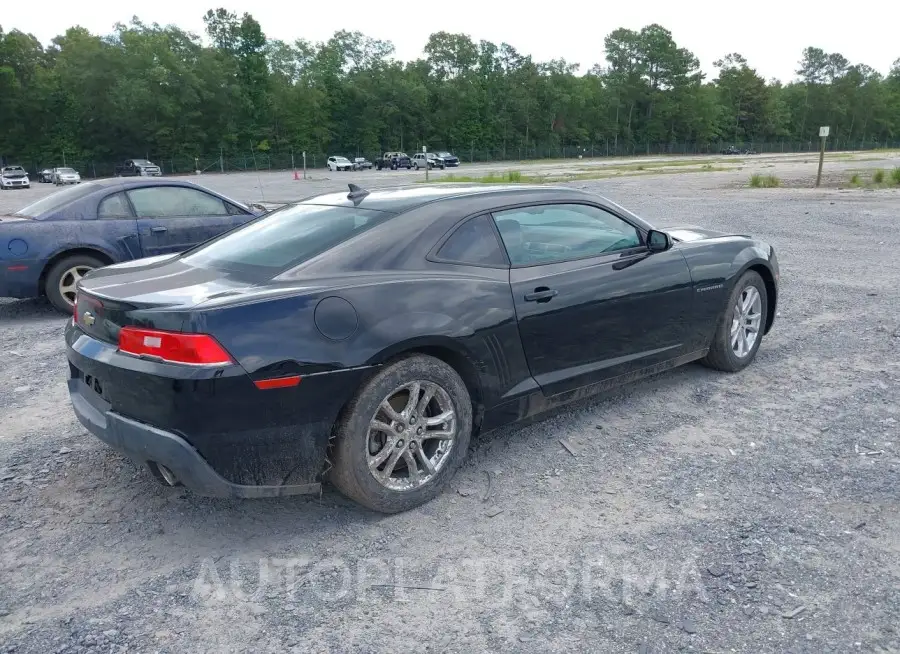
159 230
541 294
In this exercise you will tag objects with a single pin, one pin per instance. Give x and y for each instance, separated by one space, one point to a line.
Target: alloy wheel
746 317
411 436
69 280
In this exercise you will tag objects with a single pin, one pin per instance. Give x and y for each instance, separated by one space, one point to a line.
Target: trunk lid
157 293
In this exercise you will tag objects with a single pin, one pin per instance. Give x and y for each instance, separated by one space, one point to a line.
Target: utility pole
304 164
823 134
426 164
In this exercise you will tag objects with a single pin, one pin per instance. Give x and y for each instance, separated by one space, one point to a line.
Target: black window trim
617 254
224 202
434 258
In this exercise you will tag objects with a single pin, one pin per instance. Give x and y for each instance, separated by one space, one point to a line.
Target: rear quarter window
474 242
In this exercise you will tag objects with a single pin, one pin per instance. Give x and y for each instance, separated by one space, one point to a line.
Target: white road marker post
823 134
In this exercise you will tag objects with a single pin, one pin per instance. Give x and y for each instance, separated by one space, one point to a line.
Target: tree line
164 92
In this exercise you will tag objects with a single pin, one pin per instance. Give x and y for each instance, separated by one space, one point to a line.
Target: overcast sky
770 35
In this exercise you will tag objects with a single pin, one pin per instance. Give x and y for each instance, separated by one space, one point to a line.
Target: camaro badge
88 318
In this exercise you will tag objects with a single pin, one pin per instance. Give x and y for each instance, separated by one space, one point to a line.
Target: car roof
134 182
405 198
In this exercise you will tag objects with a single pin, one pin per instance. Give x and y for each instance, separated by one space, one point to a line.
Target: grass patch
764 181
506 177
517 177
879 178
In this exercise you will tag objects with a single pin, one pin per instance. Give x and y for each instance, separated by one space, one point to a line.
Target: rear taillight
75 309
174 347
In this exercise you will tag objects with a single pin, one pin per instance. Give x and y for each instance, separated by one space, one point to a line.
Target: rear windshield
284 238
57 200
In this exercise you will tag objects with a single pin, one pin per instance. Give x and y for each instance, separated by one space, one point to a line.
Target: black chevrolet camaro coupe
363 337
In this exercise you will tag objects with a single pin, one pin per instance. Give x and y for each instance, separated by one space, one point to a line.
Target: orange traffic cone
296 176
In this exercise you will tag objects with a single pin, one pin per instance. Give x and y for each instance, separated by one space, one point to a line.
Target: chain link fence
267 161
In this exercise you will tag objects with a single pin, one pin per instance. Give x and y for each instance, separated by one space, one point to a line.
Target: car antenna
356 192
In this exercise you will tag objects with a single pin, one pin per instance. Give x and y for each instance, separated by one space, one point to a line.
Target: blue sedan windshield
56 201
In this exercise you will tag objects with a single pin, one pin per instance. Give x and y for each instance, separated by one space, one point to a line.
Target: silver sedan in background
65 176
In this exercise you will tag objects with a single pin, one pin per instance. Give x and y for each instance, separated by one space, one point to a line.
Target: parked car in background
138 168
339 163
394 160
731 150
449 160
62 176
13 177
49 245
46 176
261 363
361 163
429 159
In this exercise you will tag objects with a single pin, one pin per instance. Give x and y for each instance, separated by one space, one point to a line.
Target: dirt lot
703 512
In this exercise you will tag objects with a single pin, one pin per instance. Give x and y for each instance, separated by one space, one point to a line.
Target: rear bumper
19 278
213 428
147 445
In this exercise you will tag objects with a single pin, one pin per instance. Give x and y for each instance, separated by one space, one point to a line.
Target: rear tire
61 278
728 351
357 443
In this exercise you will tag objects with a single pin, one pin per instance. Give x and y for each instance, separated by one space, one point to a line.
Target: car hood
694 233
14 173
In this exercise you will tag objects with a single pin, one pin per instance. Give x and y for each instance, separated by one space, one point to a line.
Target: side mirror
658 241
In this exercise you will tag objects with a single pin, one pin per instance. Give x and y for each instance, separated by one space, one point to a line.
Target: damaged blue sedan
48 246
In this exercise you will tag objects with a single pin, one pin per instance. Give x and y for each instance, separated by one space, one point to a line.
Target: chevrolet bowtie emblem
88 318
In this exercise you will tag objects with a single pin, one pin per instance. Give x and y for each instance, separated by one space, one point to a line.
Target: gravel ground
700 511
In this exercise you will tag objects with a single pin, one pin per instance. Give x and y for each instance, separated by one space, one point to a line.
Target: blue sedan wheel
63 277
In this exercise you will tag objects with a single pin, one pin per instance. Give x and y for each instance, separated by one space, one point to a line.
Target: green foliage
158 91
854 179
895 175
878 177
764 181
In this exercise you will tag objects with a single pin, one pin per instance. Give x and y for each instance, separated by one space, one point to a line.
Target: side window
561 232
171 201
473 242
234 211
114 206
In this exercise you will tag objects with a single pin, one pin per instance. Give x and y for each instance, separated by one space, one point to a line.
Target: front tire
59 284
400 440
739 331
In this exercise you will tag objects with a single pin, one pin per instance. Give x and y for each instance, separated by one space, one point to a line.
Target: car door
175 218
592 301
119 225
